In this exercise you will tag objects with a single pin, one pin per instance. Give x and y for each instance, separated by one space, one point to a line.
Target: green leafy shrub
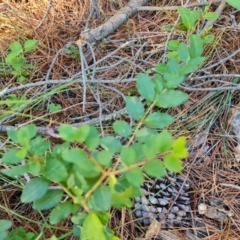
107 173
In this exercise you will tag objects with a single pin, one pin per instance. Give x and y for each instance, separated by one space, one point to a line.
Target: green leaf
30 45
92 140
39 146
127 155
172 45
111 144
159 83
25 133
92 228
208 38
173 65
17 63
79 218
188 68
160 68
172 163
155 168
134 176
137 147
67 132
34 190
11 158
234 3
158 120
197 61
179 147
16 171
188 17
54 108
74 155
144 134
49 200
122 199
210 16
183 52
145 87
173 79
16 48
135 108
54 170
105 158
171 98
101 199
5 225
60 212
12 134
196 46
122 128
164 141
82 133
87 168
34 167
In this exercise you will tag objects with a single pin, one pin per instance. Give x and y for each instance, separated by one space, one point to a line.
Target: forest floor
212 168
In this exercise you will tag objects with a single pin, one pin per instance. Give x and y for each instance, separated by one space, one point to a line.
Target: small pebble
153 200
159 209
181 213
137 205
145 208
146 221
144 200
145 214
152 209
175 209
137 199
162 201
138 213
171 216
162 186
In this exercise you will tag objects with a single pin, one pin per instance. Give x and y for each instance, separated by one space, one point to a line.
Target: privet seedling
16 58
107 173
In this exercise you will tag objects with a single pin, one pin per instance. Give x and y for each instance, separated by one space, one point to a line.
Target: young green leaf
160 68
196 46
188 17
101 199
54 170
67 132
11 157
74 155
158 120
30 45
49 200
179 147
171 98
145 87
210 16
38 146
34 190
82 133
173 79
92 139
111 144
155 168
208 38
172 163
159 83
128 155
186 69
122 199
234 3
5 225
135 108
122 128
164 141
172 45
144 134
134 176
16 48
183 52
173 65
16 171
105 158
60 212
79 218
92 228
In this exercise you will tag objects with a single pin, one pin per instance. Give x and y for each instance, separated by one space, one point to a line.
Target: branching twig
104 30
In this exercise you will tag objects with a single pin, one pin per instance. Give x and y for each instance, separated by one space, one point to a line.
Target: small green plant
107 173
16 59
73 52
54 107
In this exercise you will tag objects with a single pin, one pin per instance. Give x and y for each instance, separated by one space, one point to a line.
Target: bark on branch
104 30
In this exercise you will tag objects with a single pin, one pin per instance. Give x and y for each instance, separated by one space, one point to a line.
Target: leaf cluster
16 58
